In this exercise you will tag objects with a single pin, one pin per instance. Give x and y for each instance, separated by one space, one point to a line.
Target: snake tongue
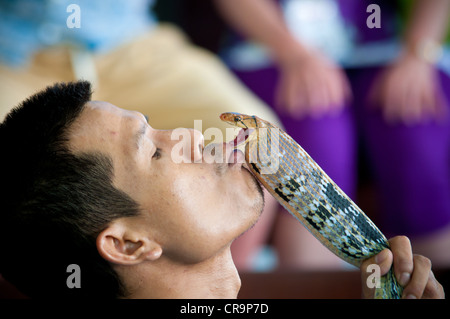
240 138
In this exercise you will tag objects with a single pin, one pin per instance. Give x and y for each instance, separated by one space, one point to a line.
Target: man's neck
216 277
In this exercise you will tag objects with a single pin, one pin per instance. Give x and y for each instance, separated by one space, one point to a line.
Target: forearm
427 26
262 21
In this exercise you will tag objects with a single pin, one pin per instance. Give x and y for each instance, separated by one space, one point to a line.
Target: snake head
240 120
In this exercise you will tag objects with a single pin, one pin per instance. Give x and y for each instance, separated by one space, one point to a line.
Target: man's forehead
103 113
103 107
97 118
108 110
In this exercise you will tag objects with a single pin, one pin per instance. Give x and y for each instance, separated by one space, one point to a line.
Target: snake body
306 191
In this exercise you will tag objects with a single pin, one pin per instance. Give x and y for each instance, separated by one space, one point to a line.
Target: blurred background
369 104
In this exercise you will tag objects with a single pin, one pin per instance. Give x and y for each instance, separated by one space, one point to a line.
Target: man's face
191 209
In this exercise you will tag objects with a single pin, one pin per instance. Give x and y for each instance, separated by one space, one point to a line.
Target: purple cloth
410 164
354 13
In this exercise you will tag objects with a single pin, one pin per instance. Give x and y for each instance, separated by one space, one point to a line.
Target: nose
187 145
198 142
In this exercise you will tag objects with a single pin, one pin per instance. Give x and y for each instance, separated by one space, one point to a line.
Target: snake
302 187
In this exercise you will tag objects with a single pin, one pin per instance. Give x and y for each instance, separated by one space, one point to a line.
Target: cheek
197 213
197 217
196 199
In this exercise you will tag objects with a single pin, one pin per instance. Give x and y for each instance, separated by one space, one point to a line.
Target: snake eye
238 119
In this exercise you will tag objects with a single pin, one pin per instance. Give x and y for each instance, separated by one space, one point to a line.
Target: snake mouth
240 138
234 154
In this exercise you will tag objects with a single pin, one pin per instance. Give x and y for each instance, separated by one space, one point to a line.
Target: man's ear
120 244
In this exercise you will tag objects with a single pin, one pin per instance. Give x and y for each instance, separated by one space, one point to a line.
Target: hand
413 272
409 92
310 84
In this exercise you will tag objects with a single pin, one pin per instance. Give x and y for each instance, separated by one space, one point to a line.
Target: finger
411 105
346 88
390 106
397 100
428 106
318 97
434 101
403 259
419 280
297 105
428 103
385 99
384 262
316 92
299 96
433 289
337 93
334 88
288 99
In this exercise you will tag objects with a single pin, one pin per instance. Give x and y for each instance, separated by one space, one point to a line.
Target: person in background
338 81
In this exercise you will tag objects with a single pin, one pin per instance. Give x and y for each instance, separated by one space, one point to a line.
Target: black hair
53 203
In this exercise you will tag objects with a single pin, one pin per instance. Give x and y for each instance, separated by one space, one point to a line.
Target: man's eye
157 154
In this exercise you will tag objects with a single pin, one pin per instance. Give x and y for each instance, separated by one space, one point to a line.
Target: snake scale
305 190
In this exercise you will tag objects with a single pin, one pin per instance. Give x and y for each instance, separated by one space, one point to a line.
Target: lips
236 157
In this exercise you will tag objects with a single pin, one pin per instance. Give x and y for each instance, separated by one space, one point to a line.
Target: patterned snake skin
305 190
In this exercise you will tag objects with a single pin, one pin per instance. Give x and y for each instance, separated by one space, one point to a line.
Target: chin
259 201
257 206
254 213
252 199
